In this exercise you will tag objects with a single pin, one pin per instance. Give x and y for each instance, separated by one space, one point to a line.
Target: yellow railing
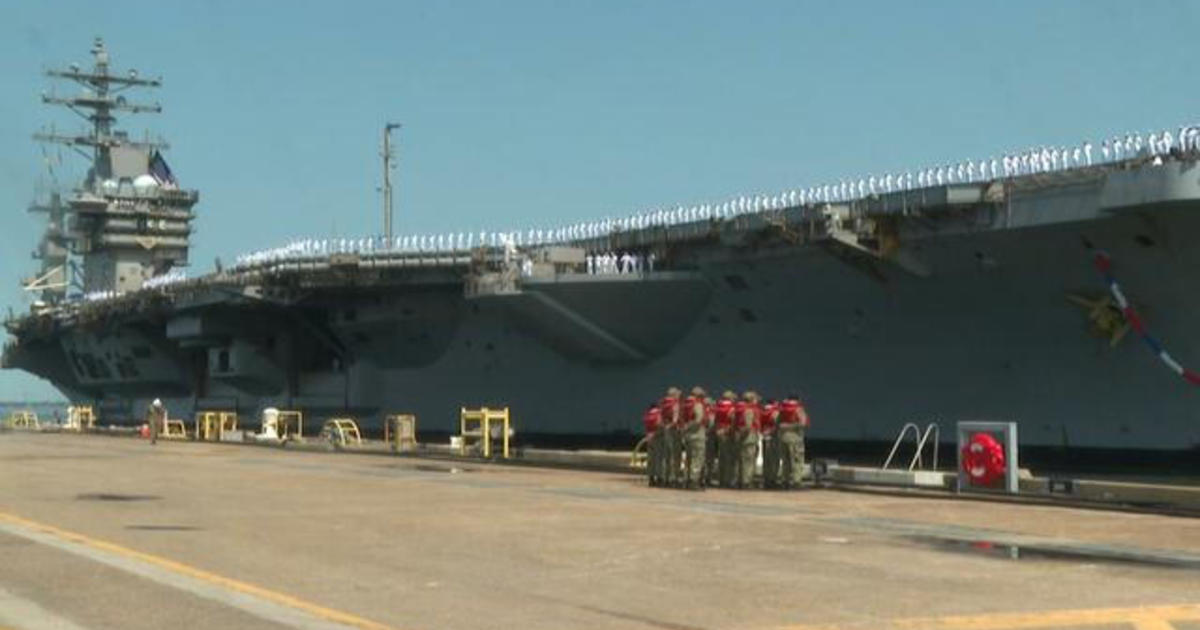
400 430
475 429
24 420
81 417
291 424
174 429
640 456
212 425
342 432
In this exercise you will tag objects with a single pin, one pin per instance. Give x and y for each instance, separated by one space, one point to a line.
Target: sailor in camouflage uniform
652 420
694 417
672 451
770 444
728 445
711 452
793 421
746 423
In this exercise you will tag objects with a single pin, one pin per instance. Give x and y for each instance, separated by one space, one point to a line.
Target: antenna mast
387 179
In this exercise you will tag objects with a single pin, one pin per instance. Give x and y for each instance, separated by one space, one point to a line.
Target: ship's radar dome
145 182
109 185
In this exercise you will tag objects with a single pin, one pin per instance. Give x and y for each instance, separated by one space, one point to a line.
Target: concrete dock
116 533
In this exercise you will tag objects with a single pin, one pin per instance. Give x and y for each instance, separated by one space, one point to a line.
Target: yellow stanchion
24 420
400 430
291 424
174 429
640 456
80 418
212 425
475 429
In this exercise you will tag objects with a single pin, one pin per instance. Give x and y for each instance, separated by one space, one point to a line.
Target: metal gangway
921 438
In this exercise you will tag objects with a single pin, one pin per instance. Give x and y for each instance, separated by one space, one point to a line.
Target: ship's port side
948 303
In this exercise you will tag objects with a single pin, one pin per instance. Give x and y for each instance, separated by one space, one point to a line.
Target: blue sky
523 114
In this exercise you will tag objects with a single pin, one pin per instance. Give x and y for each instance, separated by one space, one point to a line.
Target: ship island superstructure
128 221
961 292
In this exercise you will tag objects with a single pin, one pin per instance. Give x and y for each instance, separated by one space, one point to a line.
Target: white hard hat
157 402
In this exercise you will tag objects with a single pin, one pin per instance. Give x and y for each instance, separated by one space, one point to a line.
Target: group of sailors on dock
694 442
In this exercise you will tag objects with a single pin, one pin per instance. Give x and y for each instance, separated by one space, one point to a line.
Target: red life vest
789 411
668 410
746 416
767 418
651 419
724 414
687 415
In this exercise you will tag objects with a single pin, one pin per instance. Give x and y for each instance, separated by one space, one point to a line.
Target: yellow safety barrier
475 429
80 418
291 424
212 425
640 455
174 429
24 420
342 432
400 430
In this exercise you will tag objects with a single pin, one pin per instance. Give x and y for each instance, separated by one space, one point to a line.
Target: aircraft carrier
1059 291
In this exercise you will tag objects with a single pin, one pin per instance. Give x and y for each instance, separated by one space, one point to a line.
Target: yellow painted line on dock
1139 618
179 568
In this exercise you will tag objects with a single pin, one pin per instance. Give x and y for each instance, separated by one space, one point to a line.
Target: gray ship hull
991 339
970 319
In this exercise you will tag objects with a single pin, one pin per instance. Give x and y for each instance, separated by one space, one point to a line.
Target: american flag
160 171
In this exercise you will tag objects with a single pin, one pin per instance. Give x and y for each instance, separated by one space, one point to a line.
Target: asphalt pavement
115 533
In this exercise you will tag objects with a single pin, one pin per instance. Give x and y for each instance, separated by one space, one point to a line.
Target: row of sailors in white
626 262
173 276
1033 161
96 296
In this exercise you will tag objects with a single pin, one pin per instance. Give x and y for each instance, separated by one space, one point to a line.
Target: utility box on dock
400 431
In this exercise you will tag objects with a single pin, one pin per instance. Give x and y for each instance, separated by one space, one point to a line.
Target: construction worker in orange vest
793 421
770 444
746 424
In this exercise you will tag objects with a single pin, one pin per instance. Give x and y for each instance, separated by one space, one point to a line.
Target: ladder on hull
921 438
